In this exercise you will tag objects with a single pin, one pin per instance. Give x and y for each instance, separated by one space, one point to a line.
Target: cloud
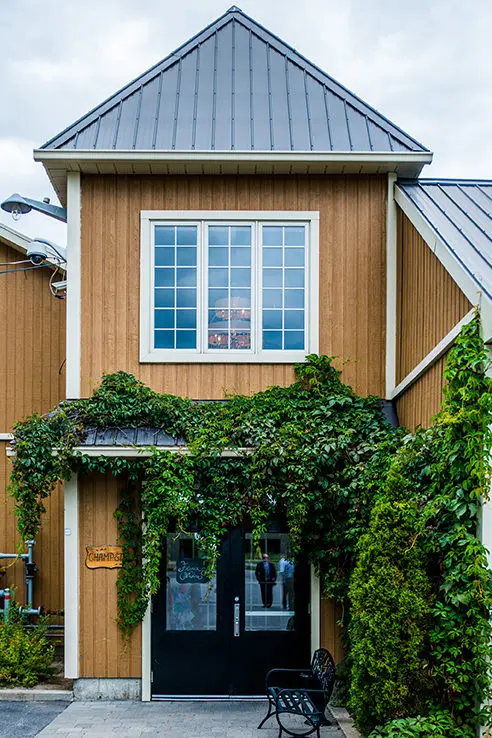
425 65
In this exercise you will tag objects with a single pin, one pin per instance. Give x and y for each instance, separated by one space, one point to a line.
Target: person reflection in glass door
266 574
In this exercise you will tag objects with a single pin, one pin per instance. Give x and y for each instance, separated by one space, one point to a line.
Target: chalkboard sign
191 571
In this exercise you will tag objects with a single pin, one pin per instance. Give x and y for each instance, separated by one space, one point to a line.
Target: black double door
220 637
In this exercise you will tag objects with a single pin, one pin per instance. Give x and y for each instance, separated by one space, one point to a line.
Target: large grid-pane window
234 287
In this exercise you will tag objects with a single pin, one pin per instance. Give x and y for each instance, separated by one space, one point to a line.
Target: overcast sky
424 64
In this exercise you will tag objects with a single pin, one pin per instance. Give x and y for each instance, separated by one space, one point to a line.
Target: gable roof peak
235 86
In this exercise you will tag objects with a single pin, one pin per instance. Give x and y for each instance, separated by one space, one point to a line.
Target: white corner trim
432 356
147 654
315 611
449 261
391 286
73 330
71 577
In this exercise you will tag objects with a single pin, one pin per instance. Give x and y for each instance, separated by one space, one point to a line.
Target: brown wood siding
330 632
352 275
430 303
103 652
32 379
422 399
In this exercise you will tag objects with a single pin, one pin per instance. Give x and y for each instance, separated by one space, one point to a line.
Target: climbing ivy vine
389 519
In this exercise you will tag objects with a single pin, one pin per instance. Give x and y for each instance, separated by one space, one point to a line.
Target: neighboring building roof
459 214
235 87
14 239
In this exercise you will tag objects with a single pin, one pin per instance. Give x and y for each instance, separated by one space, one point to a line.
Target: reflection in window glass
191 598
229 280
283 286
269 583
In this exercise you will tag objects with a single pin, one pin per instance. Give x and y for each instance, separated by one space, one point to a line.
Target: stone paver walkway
171 719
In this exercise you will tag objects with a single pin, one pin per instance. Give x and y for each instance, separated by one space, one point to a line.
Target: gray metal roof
234 87
130 437
460 214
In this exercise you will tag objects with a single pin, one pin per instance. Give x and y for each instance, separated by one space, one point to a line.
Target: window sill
193 357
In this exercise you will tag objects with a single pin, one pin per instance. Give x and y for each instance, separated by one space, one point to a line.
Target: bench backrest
323 669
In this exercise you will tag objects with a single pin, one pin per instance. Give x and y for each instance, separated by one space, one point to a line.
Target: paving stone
170 719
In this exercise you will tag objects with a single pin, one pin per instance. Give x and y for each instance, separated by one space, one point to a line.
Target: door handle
237 617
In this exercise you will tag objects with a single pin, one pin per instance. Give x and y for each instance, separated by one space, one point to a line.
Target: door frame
315 617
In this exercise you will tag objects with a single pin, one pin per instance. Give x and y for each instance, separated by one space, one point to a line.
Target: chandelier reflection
229 325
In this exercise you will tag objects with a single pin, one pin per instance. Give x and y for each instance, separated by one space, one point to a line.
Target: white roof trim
384 157
433 356
12 238
145 451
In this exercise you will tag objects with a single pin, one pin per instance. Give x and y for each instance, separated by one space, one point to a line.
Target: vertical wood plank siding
352 275
423 399
330 632
430 303
32 379
103 653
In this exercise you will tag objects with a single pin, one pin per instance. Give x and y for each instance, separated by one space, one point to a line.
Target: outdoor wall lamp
18 205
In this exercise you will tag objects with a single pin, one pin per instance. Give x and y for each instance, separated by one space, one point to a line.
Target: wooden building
32 370
229 212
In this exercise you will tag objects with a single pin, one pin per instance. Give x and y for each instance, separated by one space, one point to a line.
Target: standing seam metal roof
460 214
234 86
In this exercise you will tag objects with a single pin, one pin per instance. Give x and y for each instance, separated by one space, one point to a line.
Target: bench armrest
272 672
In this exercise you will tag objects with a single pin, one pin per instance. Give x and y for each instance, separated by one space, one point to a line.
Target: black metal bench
298 697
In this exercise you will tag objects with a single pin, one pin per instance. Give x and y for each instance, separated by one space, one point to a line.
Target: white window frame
257 218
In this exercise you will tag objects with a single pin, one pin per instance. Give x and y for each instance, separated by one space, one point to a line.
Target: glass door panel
191 598
269 582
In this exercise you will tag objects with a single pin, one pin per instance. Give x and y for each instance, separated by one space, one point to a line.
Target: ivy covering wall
388 518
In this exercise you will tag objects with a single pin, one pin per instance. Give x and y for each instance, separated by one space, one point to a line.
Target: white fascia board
14 239
384 157
432 356
146 451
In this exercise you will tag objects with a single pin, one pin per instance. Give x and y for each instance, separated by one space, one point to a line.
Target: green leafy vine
389 519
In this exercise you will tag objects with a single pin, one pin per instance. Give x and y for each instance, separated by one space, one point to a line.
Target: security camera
38 251
41 249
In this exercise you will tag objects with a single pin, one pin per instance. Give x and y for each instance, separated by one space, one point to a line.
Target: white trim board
391 286
149 155
6 436
432 356
146 451
71 577
73 328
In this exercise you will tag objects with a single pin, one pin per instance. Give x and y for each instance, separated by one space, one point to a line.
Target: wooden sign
191 571
104 557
